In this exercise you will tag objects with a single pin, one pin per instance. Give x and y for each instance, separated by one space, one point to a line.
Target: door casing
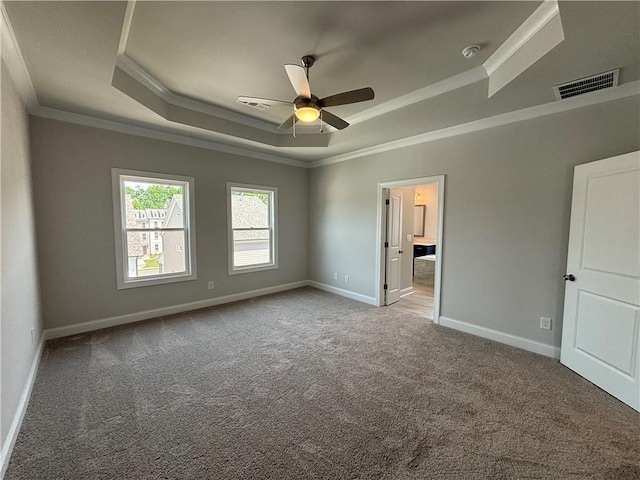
381 226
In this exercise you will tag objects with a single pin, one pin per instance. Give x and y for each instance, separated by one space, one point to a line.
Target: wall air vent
586 85
259 106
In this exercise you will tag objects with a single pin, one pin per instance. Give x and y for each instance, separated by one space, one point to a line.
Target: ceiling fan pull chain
321 124
294 128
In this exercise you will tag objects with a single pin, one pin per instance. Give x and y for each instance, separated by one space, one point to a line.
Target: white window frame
273 228
118 177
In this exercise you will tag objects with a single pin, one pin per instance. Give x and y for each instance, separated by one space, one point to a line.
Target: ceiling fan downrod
307 63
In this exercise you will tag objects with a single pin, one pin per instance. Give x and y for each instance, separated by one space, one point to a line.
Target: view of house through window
155 228
252 227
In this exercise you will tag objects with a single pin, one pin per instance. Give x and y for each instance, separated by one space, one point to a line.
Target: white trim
166 134
501 337
447 85
405 292
10 440
546 12
126 26
273 220
118 177
380 229
146 79
343 293
101 323
12 55
530 113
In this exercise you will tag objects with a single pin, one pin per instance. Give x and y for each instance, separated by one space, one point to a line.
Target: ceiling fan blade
331 119
298 78
344 98
288 123
263 103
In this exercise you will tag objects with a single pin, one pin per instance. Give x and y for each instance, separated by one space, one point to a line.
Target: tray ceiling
179 66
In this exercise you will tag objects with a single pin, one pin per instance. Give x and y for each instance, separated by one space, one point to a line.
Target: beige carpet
307 385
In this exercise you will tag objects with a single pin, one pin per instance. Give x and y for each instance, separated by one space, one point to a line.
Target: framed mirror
418 220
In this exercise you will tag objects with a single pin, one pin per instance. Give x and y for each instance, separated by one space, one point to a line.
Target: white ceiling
179 66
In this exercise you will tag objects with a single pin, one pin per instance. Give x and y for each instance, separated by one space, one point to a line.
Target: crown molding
14 60
126 26
586 100
152 83
165 134
525 32
145 78
529 33
547 12
444 86
590 99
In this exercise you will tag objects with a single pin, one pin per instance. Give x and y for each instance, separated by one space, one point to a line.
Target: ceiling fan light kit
306 106
307 114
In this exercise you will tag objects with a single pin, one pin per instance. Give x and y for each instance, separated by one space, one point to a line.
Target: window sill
257 268
150 281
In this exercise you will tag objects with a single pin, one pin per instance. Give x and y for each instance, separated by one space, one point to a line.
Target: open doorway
413 282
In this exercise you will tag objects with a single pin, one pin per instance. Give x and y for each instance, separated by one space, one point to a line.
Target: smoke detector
470 51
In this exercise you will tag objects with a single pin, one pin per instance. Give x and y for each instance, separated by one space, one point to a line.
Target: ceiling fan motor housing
301 102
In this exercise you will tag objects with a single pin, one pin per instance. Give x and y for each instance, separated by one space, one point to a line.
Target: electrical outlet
335 276
346 278
408 238
210 285
545 323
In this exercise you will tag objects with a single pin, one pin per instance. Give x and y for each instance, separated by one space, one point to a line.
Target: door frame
381 223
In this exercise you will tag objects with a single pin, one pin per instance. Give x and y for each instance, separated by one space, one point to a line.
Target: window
252 228
168 197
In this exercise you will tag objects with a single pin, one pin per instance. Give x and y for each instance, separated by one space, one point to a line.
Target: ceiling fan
306 106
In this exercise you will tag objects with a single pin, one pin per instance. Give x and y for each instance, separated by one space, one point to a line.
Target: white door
393 243
601 326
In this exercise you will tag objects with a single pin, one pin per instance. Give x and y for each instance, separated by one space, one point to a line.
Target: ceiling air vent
259 106
586 85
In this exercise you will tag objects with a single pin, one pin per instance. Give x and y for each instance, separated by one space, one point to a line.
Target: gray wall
506 220
72 185
20 306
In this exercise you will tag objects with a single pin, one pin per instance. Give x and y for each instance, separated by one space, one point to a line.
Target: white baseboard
343 293
98 324
14 429
513 340
406 291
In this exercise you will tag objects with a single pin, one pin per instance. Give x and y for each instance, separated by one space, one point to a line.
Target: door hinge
386 202
386 244
385 286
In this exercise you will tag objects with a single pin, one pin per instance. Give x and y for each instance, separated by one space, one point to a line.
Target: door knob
569 277
399 251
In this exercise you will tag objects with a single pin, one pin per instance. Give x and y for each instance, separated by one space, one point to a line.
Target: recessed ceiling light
470 51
